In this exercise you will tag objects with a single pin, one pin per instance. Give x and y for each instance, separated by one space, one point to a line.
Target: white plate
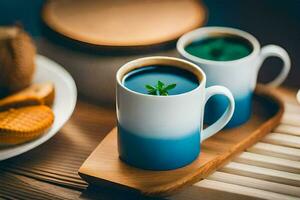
63 107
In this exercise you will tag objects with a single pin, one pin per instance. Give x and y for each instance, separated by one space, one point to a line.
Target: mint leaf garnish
160 89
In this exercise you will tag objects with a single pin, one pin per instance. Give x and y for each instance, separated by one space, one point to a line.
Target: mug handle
276 51
224 119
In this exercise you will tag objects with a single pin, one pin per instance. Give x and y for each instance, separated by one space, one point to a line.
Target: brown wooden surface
104 163
50 171
124 23
57 161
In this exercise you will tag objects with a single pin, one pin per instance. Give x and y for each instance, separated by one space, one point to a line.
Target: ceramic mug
239 76
164 132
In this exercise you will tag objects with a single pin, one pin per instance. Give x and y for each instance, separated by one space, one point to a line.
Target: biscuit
24 124
36 94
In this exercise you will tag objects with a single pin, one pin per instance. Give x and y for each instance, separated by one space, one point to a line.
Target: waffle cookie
36 94
24 124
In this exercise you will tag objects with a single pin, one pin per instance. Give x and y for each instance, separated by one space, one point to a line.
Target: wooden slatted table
268 170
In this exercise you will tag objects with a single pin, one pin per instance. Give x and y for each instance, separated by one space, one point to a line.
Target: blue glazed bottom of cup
217 105
157 154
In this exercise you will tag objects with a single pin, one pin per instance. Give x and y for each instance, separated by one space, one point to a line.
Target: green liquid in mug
220 48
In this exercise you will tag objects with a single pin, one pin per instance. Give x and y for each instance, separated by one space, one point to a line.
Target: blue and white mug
239 76
164 132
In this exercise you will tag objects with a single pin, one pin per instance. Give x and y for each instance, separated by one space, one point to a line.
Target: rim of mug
197 34
161 61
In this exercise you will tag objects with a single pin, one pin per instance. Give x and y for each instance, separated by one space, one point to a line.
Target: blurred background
271 21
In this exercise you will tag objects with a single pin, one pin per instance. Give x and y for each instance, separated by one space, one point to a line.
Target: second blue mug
239 76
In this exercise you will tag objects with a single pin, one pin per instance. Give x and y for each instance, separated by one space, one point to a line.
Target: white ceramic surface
63 107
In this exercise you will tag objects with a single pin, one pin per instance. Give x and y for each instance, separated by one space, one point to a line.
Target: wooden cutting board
104 167
124 23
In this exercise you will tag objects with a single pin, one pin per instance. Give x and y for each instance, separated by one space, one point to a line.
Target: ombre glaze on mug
163 132
239 76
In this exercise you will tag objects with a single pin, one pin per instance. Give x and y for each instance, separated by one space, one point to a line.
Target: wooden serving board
104 167
123 23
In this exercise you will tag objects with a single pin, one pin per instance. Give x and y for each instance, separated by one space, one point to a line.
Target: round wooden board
123 23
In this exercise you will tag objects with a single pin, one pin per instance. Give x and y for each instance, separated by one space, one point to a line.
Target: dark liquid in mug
137 79
220 48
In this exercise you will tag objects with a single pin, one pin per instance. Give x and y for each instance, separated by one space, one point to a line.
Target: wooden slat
50 179
287 95
282 139
13 186
50 170
291 107
262 173
288 129
8 194
276 151
237 189
291 119
268 162
255 183
63 177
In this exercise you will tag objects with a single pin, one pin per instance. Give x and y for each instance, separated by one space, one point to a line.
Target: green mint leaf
160 84
164 93
170 87
149 87
152 92
160 89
